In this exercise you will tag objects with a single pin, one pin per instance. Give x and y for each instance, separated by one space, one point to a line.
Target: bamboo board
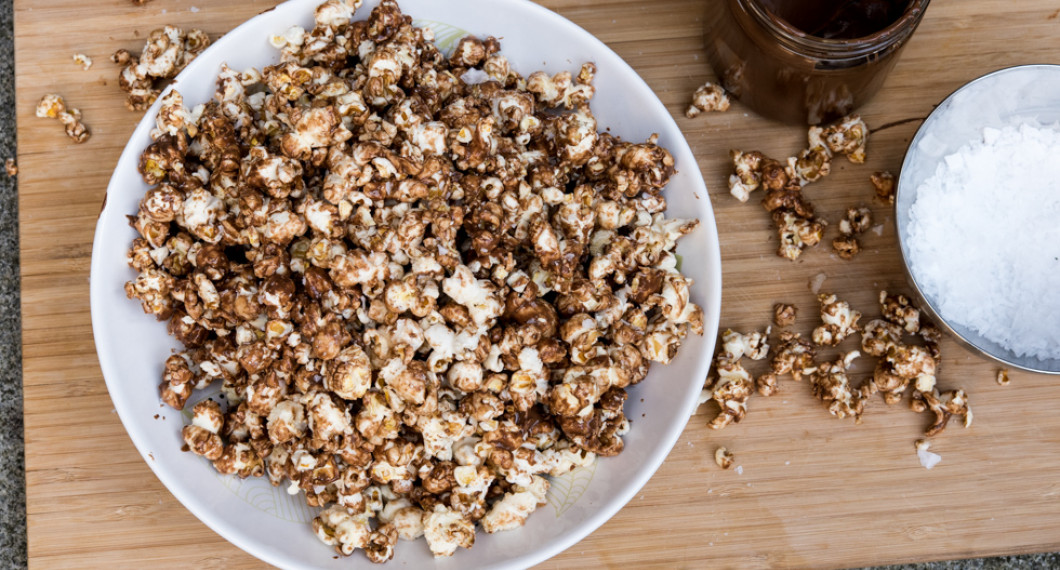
814 491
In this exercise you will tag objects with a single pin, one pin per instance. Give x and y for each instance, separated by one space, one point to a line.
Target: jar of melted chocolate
807 61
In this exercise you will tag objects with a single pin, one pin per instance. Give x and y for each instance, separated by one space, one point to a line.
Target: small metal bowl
1003 98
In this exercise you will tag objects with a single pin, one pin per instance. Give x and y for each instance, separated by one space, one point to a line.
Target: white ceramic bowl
1004 98
265 521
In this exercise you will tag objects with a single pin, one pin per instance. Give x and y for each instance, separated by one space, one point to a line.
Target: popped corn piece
901 366
337 526
794 355
748 173
731 390
884 185
796 233
52 106
944 406
513 509
167 51
559 90
832 386
856 221
838 319
848 137
899 310
405 517
1002 377
446 530
753 345
878 336
766 384
83 60
708 97
784 314
724 458
810 165
846 246
10 167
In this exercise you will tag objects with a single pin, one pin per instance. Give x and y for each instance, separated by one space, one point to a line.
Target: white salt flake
474 76
739 469
984 241
816 283
928 459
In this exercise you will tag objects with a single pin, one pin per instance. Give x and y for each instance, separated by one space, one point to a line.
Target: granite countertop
12 474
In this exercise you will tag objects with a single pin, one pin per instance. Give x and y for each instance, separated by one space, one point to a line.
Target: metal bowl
1008 97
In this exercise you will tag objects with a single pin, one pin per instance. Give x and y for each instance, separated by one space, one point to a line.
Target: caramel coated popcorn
838 321
168 50
52 106
832 386
708 97
793 215
884 185
724 458
848 137
784 314
855 223
420 295
730 385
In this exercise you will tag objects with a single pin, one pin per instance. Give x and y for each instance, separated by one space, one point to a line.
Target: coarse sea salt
984 238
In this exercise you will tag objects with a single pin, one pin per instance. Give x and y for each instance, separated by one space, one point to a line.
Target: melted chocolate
838 19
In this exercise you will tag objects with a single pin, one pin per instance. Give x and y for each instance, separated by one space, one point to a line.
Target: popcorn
832 386
884 185
848 137
512 510
167 51
83 60
747 177
793 216
731 390
944 406
784 314
794 355
724 458
708 97
446 530
52 106
856 222
416 304
838 319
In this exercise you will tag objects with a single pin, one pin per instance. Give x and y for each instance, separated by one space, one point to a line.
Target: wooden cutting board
814 491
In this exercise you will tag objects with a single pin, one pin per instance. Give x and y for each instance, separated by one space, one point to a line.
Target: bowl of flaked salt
978 216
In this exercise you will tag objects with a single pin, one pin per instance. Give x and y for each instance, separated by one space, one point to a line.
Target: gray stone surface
12 472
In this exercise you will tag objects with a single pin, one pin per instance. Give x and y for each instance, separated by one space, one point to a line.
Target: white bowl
1004 98
273 526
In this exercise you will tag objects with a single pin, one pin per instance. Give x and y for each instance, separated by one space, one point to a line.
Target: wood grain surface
814 491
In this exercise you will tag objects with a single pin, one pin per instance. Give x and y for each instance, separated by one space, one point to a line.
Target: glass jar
784 73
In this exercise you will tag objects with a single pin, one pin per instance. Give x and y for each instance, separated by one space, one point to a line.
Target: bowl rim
925 303
711 304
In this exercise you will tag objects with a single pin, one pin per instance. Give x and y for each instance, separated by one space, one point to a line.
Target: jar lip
899 30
